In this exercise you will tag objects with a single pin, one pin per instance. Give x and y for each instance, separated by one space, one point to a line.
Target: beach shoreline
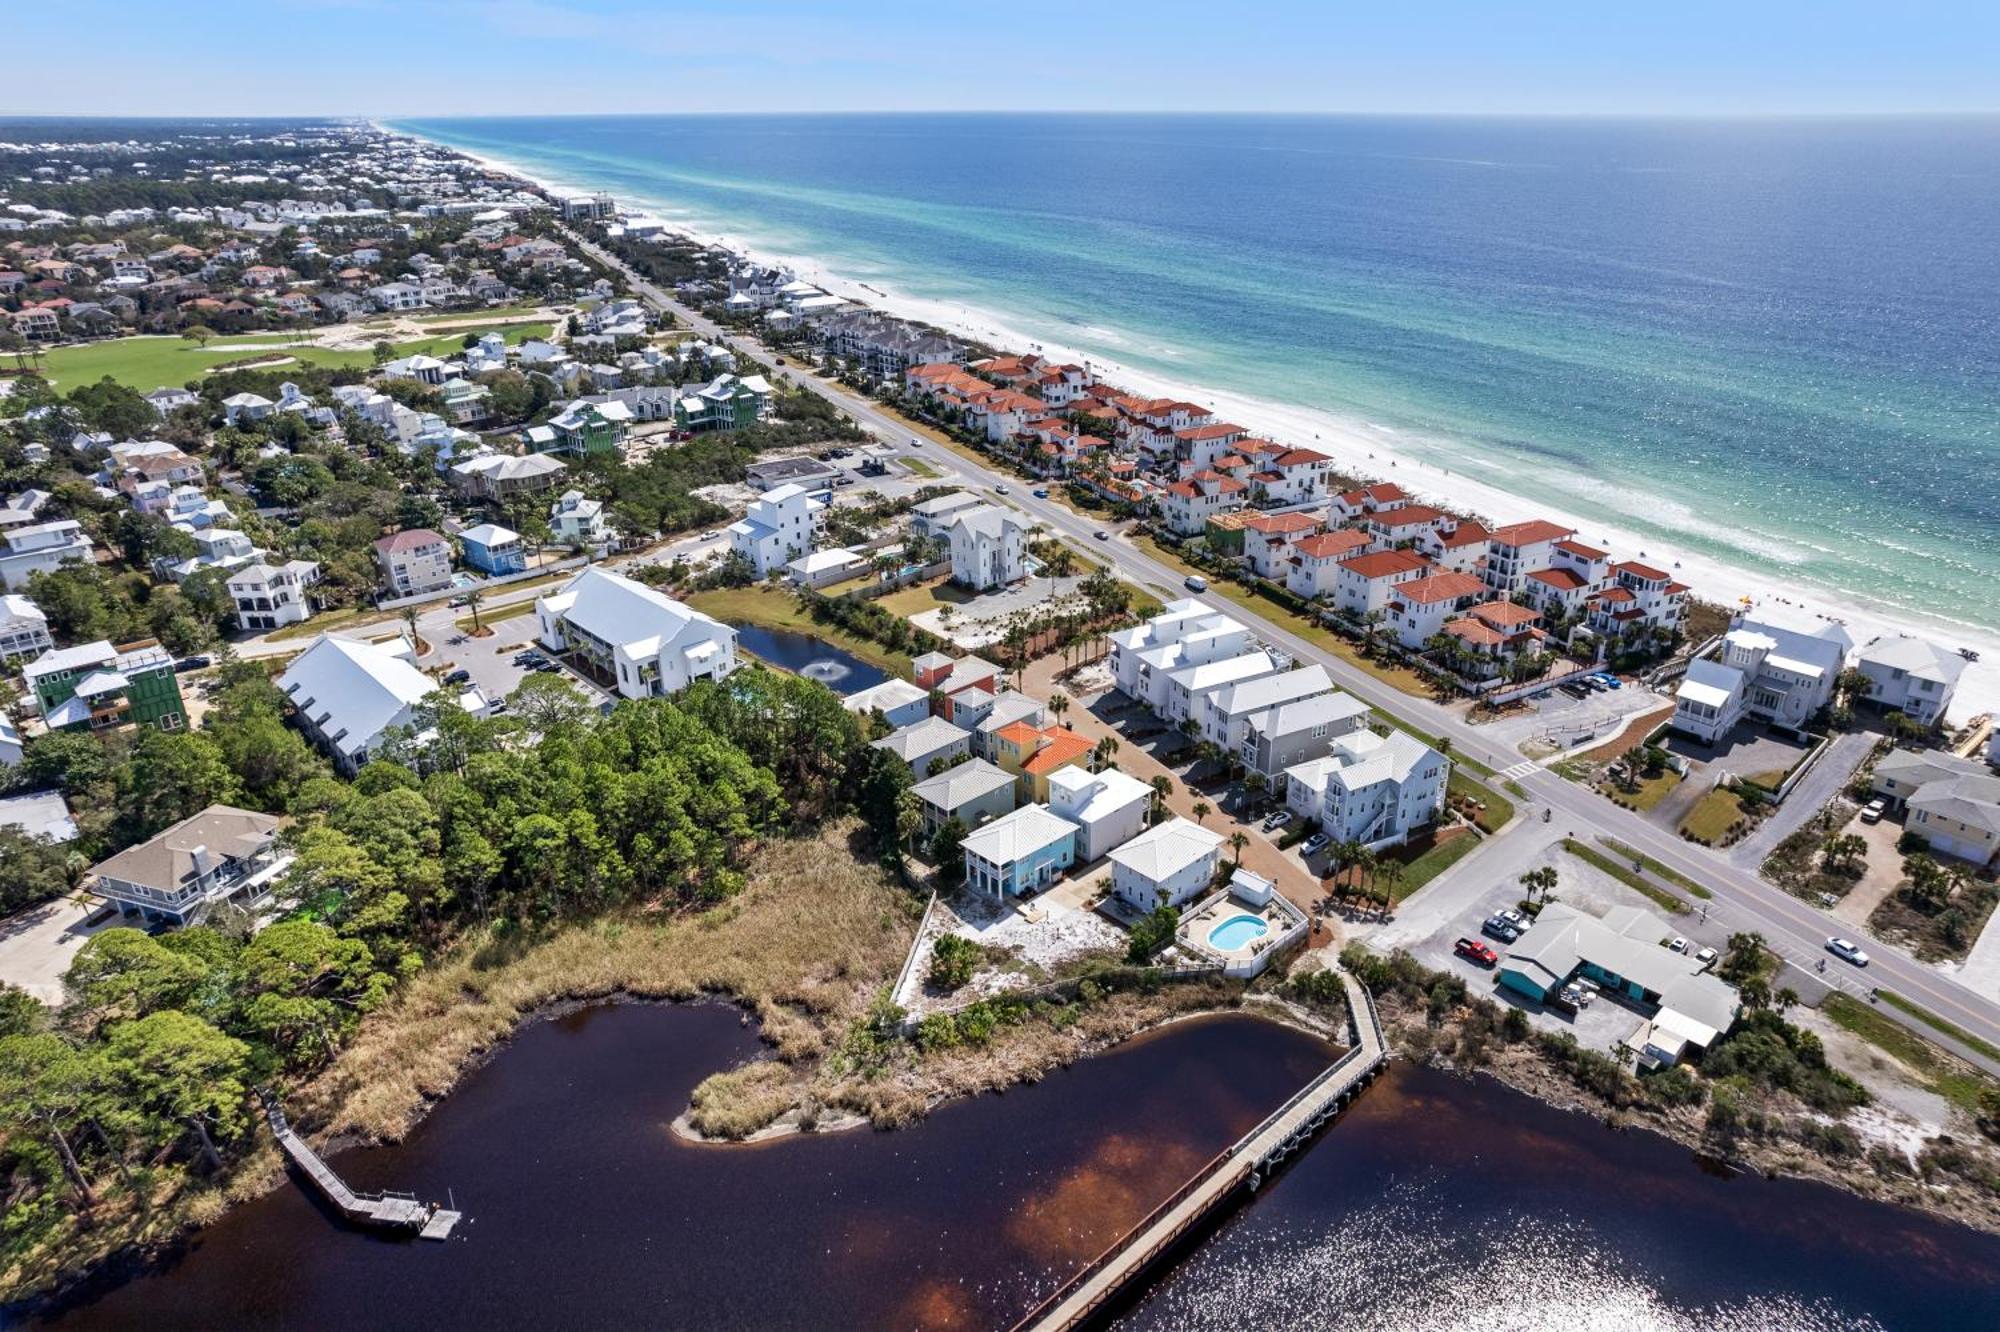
1366 449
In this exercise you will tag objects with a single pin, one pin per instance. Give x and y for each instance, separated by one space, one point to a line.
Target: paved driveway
1828 778
37 945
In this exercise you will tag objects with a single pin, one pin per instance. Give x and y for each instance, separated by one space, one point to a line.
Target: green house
724 403
583 427
96 687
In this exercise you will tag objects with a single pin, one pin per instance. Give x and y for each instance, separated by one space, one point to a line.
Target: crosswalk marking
1518 771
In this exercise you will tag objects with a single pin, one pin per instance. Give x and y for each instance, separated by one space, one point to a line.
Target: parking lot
1566 717
37 945
1454 905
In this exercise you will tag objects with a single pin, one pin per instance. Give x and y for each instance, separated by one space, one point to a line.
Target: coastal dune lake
1435 1202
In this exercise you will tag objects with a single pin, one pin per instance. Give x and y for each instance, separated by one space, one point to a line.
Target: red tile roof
1385 563
1331 543
1439 587
1530 532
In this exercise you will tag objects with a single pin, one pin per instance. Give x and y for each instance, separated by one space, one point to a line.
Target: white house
40 547
988 547
1108 808
1910 675
1184 633
576 519
24 630
931 516
900 702
640 642
1419 608
1314 571
1372 789
1189 687
1367 583
246 407
269 596
1767 669
1518 549
1225 713
348 693
780 526
1167 865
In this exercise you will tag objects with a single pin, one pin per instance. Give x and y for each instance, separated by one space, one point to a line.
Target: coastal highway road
1742 900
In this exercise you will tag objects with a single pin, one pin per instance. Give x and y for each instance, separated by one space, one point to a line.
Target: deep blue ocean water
1774 342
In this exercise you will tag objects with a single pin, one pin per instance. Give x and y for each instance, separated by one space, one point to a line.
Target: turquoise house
493 549
1019 854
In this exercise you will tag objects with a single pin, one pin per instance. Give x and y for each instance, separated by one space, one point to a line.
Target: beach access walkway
1245 1165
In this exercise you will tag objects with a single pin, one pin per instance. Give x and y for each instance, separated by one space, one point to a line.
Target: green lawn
1652 790
147 363
1673 876
1434 862
1712 818
1942 1072
920 597
922 468
1499 811
1936 1023
489 618
1622 872
340 617
777 610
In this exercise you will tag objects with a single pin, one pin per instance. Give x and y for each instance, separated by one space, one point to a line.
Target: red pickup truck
1475 951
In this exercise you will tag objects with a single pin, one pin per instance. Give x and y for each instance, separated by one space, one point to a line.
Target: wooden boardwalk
397 1211
1249 1162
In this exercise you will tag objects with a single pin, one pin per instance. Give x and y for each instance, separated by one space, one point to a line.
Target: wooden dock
394 1211
1248 1163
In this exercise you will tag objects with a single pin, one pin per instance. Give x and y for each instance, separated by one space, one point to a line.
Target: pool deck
1279 916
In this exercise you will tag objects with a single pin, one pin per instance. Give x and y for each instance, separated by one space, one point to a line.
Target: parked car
1196 583
197 663
1278 820
1474 951
1706 957
1495 928
1847 951
1578 996
1678 944
1518 920
1873 811
1041 492
1315 844
459 676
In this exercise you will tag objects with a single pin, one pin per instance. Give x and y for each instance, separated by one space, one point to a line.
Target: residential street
1742 901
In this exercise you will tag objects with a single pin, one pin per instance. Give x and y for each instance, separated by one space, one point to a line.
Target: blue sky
442 57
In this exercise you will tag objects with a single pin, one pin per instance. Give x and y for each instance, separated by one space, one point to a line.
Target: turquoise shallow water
1772 342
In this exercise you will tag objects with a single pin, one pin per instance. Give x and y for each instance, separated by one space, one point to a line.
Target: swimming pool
1237 931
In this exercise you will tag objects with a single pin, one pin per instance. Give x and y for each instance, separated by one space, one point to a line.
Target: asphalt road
1742 900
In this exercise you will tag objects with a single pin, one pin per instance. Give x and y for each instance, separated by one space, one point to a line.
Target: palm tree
1059 704
473 597
1107 749
1163 787
410 619
1201 810
1389 876
1237 841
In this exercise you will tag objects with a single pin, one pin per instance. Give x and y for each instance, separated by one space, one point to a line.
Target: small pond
814 658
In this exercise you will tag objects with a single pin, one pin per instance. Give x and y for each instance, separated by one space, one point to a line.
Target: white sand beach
1372 450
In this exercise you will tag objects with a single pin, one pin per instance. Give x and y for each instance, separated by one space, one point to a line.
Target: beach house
1369 788
1167 865
900 702
1910 676
1108 807
635 640
413 562
974 793
33 548
1019 853
1184 633
1035 753
24 630
1367 583
270 596
98 687
1776 671
1315 570
988 547
928 746
780 526
347 694
221 854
